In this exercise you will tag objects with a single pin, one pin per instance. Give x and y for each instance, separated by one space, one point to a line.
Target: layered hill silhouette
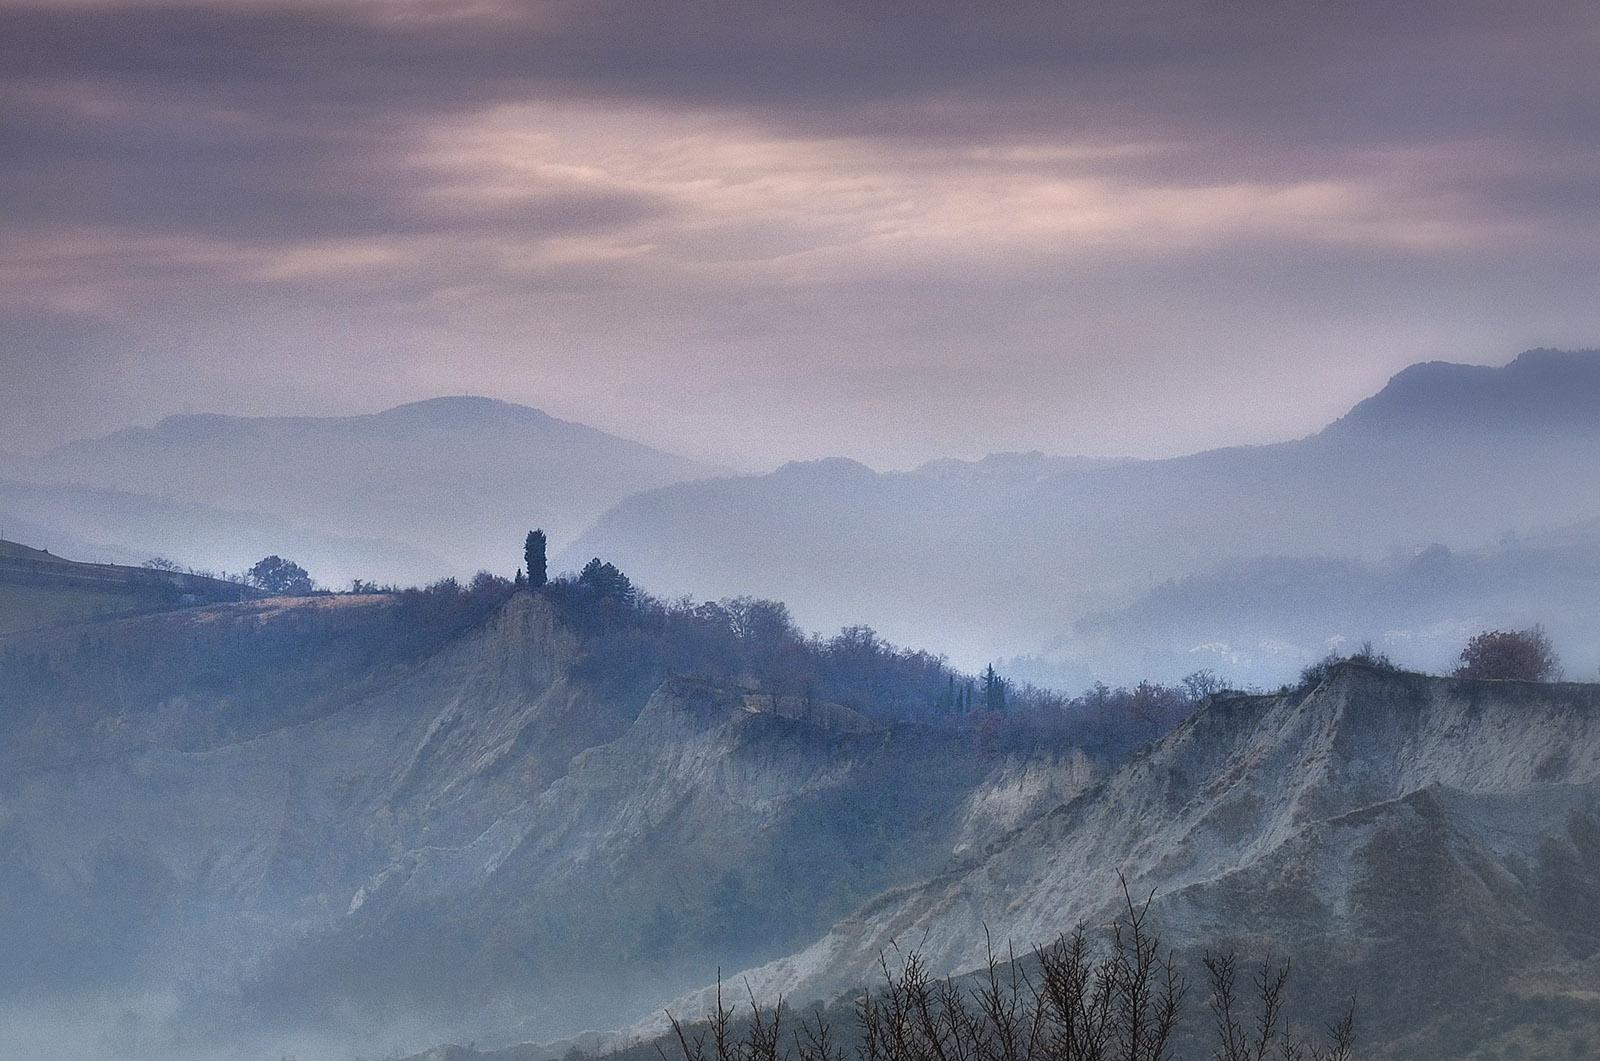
1542 391
1016 554
1254 619
998 557
347 824
118 526
434 488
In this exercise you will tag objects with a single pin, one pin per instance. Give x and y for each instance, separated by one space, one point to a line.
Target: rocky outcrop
297 827
1430 844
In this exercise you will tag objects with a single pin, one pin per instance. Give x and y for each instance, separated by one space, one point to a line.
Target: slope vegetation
486 814
1432 843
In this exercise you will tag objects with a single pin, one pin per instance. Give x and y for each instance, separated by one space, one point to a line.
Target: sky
754 231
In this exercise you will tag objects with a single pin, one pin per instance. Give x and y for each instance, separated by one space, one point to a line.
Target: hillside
987 565
993 559
1429 842
121 527
350 822
359 823
454 483
38 589
1543 391
1245 618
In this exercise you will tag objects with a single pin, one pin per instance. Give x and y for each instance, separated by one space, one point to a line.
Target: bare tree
1074 1003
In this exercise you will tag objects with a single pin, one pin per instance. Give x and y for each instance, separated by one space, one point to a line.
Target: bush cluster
633 640
1522 655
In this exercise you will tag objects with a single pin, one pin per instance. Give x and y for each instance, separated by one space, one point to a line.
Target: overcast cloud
755 230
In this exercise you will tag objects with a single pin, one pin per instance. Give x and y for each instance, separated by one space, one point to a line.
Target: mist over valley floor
585 530
242 816
1457 498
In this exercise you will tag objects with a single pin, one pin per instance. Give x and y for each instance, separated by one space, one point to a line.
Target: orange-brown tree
1525 655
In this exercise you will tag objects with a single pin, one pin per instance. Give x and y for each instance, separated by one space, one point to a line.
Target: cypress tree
994 690
533 553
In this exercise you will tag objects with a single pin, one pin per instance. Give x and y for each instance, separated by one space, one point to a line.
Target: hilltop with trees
517 811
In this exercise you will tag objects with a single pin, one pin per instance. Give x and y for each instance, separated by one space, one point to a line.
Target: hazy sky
758 230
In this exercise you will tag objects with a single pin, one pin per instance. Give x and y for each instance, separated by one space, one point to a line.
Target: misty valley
837 530
1283 751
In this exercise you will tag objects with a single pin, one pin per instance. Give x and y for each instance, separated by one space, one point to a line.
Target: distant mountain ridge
119 526
978 565
448 413
1540 390
457 479
983 559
